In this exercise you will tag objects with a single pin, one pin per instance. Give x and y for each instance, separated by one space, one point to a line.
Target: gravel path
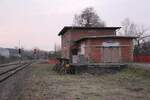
145 66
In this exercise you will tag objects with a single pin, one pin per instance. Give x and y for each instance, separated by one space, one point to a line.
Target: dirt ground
44 84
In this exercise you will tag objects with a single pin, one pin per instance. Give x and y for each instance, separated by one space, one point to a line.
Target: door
111 55
115 55
111 52
106 55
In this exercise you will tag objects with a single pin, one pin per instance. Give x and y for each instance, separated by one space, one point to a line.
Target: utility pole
35 52
19 52
55 48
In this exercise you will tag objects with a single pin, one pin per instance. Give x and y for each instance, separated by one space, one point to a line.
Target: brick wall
65 45
70 36
95 52
75 35
127 51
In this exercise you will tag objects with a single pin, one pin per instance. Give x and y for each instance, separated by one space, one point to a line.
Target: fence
142 58
52 61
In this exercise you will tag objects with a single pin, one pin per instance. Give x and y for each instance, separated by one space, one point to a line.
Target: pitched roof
66 28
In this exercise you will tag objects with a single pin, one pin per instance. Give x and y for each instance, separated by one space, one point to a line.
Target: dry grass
44 84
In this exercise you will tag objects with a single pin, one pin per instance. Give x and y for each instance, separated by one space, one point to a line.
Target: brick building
95 45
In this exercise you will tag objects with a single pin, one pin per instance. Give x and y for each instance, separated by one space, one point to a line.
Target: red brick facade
95 50
73 37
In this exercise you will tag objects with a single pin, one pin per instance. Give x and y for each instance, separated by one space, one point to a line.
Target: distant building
4 52
95 45
13 52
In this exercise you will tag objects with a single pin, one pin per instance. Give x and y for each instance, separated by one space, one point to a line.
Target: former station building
95 45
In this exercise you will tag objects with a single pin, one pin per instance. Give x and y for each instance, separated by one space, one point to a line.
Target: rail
4 75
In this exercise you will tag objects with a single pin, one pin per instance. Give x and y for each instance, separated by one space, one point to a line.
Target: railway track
8 70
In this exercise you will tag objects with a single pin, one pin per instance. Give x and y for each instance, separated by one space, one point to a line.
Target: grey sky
37 22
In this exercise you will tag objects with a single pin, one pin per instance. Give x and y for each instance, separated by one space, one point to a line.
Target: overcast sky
36 23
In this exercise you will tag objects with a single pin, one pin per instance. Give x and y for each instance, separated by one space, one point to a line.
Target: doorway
111 53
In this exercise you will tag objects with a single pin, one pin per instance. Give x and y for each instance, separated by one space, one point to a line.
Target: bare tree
129 28
88 18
